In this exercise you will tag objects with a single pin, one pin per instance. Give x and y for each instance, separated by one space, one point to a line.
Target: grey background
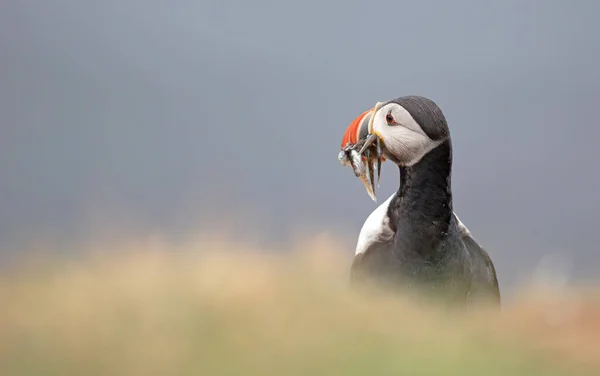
150 116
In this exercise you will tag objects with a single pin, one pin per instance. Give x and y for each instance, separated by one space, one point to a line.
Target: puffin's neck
423 208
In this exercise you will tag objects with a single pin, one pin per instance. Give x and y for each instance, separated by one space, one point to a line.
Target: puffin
413 241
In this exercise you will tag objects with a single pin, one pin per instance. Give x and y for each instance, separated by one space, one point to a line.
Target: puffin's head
407 127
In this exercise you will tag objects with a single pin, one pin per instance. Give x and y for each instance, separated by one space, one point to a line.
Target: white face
402 136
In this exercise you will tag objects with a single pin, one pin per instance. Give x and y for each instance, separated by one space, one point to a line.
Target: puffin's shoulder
376 229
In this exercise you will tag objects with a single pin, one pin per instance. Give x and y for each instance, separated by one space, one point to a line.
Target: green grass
158 312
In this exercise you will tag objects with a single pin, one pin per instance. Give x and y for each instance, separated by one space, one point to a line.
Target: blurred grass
213 308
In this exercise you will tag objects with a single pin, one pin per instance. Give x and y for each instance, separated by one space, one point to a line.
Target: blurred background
121 117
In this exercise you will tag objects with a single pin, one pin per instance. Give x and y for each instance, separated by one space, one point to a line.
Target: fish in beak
361 150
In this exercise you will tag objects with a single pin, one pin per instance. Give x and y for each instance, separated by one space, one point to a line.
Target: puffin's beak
358 129
359 135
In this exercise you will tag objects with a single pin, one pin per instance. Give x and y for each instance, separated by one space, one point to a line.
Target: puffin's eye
389 118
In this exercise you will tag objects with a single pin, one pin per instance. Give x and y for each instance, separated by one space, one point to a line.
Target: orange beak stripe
351 135
352 132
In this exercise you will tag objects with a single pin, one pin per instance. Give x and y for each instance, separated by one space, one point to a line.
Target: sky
165 116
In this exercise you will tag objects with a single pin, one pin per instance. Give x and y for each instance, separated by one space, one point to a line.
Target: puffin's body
414 239
376 258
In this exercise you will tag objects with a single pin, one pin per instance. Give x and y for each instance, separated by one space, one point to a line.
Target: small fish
364 171
343 158
379 154
349 156
371 170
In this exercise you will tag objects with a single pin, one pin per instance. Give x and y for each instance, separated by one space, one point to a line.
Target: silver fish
351 158
379 154
364 171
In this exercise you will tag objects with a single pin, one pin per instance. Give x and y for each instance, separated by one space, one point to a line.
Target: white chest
376 227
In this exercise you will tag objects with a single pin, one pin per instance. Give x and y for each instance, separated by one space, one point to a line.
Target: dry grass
205 309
